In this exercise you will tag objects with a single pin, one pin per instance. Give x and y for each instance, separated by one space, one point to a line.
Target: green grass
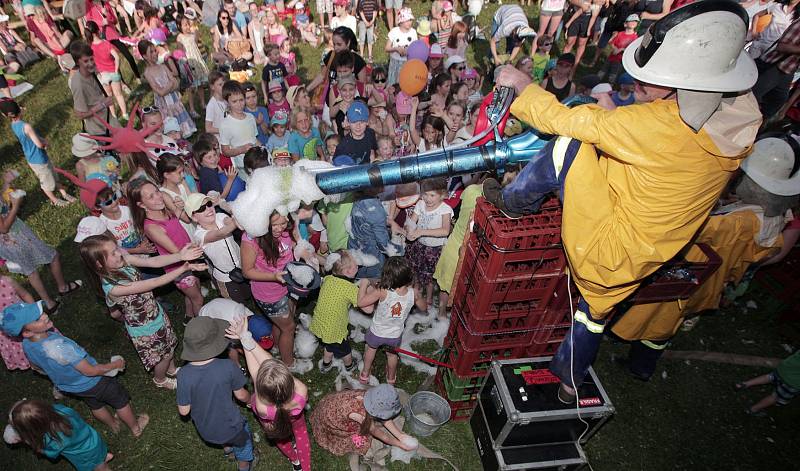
689 419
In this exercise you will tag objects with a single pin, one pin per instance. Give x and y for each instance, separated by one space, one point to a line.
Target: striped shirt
786 63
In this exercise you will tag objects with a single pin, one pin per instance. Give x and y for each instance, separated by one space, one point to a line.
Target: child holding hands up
114 275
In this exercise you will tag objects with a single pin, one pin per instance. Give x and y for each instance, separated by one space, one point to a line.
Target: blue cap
280 117
625 79
259 326
358 111
343 161
16 316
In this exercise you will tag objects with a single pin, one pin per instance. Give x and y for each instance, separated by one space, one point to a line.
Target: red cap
89 188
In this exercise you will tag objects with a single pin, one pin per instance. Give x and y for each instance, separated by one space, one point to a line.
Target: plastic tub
429 406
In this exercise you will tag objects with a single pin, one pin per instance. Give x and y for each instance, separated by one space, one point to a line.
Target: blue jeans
538 179
244 452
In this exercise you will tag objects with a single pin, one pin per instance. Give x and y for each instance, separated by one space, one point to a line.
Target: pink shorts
187 281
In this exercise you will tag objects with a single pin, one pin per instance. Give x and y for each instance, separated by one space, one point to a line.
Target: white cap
452 60
299 6
602 88
171 125
89 226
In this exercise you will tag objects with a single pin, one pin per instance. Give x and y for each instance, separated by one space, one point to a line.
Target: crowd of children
384 251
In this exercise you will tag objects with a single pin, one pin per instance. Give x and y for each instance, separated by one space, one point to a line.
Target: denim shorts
783 391
279 308
243 447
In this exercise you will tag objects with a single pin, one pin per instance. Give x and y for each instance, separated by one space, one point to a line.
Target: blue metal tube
438 163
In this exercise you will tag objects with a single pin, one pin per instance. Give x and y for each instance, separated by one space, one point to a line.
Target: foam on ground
363 259
305 343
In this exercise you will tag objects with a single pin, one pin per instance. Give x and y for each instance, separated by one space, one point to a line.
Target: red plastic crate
473 363
657 290
542 349
520 317
542 230
461 333
484 299
560 301
461 411
508 264
551 334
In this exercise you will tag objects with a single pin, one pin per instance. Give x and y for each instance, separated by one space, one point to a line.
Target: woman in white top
258 31
395 296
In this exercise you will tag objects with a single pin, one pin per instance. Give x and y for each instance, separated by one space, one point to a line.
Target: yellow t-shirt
331 317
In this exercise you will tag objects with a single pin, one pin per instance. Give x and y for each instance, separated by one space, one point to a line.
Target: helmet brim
742 77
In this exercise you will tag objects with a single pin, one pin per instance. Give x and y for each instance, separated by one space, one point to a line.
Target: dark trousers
772 89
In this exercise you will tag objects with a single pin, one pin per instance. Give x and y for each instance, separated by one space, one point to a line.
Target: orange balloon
413 77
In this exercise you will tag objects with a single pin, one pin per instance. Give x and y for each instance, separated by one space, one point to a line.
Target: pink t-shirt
97 13
270 291
272 108
102 56
176 233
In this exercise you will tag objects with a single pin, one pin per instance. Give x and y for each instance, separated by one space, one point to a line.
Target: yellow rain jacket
732 236
633 207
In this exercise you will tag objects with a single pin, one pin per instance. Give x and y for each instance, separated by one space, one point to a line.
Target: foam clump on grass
430 328
305 343
281 189
399 454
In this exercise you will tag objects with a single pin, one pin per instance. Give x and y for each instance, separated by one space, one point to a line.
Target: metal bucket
426 412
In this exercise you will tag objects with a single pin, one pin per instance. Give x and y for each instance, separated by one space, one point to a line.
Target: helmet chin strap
697 107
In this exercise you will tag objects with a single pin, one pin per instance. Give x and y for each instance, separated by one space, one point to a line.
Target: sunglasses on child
203 207
114 197
150 109
380 80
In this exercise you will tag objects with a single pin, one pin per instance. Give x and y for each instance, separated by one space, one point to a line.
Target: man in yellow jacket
637 182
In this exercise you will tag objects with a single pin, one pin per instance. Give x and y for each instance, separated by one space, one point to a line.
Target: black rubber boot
493 193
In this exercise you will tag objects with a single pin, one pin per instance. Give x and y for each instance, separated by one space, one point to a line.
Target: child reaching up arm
279 399
113 273
395 296
331 314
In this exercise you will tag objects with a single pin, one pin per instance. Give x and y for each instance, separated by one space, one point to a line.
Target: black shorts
339 350
580 27
108 391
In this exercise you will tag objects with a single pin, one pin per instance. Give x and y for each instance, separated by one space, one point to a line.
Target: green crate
461 389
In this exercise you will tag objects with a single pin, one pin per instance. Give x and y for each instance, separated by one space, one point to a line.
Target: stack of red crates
509 301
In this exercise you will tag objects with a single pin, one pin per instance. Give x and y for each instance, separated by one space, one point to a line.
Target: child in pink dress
11 347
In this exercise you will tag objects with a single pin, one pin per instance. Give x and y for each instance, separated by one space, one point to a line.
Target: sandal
51 311
227 452
168 383
363 379
391 381
59 203
71 286
739 387
174 374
